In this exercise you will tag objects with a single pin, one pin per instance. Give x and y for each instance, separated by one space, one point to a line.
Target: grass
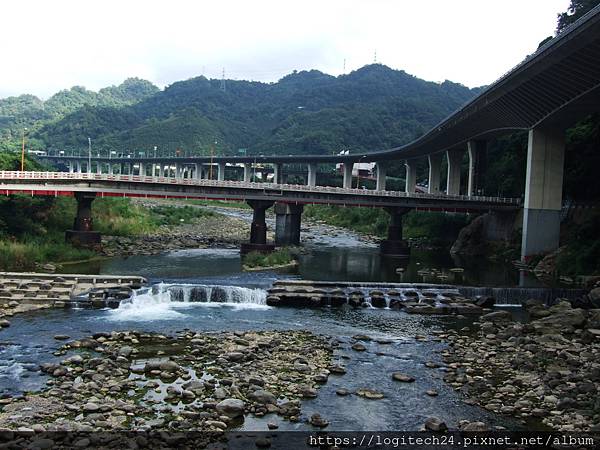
277 258
372 221
439 228
23 255
44 241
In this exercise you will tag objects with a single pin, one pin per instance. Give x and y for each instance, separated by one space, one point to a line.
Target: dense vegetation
28 111
372 108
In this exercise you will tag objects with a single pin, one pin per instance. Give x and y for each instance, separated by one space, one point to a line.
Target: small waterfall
211 294
162 301
516 295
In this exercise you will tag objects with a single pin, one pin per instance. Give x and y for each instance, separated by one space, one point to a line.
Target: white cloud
51 45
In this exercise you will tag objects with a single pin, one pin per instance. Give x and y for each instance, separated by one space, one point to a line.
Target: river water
238 303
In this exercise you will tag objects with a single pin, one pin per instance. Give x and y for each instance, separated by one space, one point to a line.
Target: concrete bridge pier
221 172
454 162
411 177
477 150
543 192
394 245
381 174
348 167
82 234
247 172
258 229
277 173
312 175
288 218
435 164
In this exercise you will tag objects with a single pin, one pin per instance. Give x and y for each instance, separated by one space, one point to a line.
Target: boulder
231 407
263 397
435 424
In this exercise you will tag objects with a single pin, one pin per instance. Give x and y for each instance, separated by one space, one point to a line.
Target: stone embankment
21 292
545 371
192 381
411 298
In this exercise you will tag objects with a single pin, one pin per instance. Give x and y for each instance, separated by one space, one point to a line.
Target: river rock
231 407
342 392
496 316
359 347
399 376
169 366
308 392
4 323
475 427
263 397
317 421
435 424
371 394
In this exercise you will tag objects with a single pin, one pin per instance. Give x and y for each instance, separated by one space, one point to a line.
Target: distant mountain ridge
372 108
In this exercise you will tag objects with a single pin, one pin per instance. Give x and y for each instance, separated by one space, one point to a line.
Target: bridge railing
30 175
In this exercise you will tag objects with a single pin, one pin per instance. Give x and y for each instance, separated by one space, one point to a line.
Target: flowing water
206 290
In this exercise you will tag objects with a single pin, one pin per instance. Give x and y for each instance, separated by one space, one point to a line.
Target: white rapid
167 301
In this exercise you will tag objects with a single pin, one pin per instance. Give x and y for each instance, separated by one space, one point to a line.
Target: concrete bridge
545 94
289 201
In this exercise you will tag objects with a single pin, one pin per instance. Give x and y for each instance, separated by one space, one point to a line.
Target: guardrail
24 176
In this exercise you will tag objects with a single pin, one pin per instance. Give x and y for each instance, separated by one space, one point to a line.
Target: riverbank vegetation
440 229
32 229
279 258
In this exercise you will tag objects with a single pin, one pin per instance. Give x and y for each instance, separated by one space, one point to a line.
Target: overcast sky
48 45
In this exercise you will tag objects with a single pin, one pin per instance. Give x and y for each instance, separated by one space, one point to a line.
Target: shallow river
342 257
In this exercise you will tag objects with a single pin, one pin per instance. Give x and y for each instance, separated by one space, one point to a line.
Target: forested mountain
372 108
28 111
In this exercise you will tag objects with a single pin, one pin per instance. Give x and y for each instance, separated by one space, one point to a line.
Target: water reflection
319 263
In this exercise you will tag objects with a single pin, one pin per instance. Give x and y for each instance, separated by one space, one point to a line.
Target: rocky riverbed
204 232
191 381
545 371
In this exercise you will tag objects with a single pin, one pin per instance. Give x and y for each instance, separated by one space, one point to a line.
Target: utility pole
23 151
344 71
89 155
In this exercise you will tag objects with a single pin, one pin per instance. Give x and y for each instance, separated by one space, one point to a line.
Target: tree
576 9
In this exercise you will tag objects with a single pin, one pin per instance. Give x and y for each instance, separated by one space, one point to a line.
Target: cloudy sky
50 45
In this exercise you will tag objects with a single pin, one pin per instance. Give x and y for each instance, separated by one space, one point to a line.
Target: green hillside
372 108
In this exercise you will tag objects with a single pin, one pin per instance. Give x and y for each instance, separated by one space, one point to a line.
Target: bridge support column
258 229
98 168
312 174
288 219
82 234
454 163
221 171
381 171
411 177
477 163
247 172
435 163
71 167
347 167
394 245
78 166
277 173
161 170
178 171
543 192
142 168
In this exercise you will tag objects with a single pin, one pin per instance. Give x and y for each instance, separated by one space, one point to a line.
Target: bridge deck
61 183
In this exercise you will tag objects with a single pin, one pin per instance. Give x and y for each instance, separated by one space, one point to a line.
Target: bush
277 258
